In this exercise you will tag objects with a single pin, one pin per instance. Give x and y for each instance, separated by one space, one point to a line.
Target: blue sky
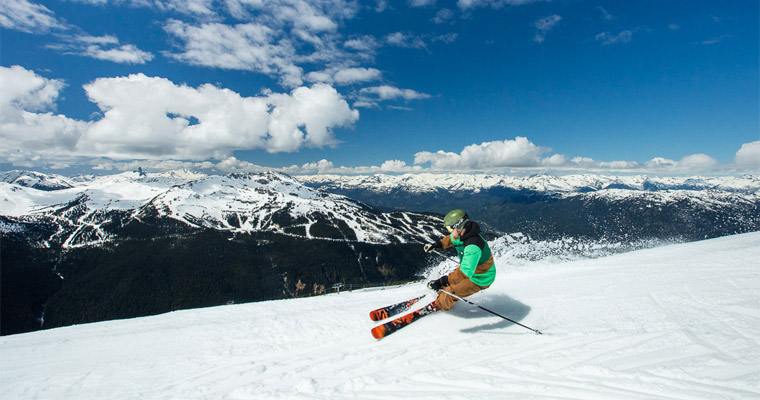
336 86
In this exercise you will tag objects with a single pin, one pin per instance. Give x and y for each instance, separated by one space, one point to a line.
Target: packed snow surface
674 322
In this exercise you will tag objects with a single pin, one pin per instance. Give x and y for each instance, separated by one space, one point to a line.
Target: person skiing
476 269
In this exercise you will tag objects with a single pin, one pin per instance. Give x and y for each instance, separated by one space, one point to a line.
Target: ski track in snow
674 322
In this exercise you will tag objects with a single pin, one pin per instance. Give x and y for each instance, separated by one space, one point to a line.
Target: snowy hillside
676 322
88 211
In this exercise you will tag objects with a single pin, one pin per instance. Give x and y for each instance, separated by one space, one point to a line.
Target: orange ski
389 327
393 309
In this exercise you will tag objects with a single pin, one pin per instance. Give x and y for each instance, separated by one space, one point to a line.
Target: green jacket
475 258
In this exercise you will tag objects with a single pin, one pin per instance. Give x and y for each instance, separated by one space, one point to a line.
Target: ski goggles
457 225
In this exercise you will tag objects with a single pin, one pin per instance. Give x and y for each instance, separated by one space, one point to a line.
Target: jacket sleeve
470 259
446 242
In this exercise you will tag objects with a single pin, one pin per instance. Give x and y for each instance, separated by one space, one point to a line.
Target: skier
476 269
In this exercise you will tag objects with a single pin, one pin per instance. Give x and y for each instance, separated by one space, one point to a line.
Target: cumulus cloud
25 16
522 153
519 152
26 119
748 155
544 25
323 166
154 118
697 162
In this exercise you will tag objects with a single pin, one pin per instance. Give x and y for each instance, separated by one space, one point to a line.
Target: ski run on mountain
674 322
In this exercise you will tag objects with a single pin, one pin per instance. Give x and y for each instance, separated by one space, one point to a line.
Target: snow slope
674 322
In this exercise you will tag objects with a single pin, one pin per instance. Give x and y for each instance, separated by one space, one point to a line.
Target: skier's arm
446 242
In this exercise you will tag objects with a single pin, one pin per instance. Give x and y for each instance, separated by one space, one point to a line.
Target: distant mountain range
90 248
593 206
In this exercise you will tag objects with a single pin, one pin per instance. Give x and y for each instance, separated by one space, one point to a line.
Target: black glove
430 246
439 283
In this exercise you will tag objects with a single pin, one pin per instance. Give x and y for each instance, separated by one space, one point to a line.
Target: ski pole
492 312
445 256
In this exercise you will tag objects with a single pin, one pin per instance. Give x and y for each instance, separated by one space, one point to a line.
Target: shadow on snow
498 303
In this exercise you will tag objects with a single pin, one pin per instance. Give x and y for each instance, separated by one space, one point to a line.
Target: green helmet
455 219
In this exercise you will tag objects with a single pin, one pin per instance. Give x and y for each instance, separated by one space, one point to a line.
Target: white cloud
23 89
607 38
232 164
716 39
250 47
446 38
128 54
421 3
345 76
25 16
522 153
443 16
353 75
102 48
697 162
150 165
153 118
394 166
748 156
660 162
405 40
279 38
605 15
468 4
26 120
544 25
519 152
386 92
365 43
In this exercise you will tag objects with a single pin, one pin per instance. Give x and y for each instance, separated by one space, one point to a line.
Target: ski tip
378 315
378 332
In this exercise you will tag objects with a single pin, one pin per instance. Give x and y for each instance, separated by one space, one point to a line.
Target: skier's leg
459 285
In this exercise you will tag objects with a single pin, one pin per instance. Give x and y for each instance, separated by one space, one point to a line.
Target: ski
393 309
389 327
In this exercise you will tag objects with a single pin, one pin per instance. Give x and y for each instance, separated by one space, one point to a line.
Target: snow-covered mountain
597 206
567 185
90 211
36 180
674 322
93 248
